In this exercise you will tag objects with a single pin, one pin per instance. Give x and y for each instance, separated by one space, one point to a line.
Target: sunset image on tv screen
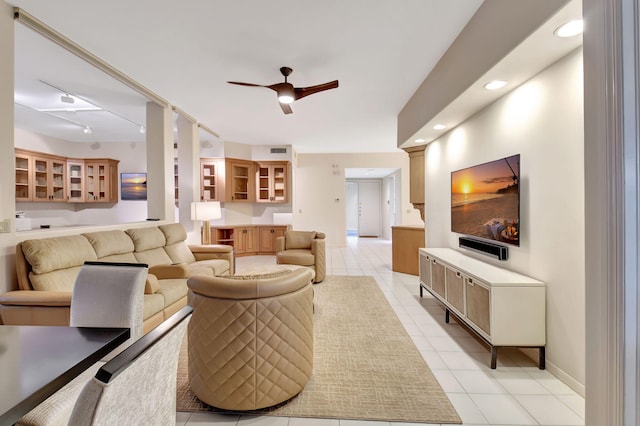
485 200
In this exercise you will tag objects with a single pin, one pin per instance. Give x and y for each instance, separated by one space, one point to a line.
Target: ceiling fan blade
239 83
301 92
286 108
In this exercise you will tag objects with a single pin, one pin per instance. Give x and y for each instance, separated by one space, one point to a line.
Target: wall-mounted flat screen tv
485 200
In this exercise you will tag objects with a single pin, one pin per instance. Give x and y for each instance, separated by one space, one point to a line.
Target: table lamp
205 211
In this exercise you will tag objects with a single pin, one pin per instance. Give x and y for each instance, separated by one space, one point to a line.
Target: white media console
503 307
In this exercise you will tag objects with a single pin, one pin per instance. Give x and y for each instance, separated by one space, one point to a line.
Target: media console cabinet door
478 305
425 270
438 277
455 290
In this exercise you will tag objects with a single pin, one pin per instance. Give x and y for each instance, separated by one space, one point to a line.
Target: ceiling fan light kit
287 93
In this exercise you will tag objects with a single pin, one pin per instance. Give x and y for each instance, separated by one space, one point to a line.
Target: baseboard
576 386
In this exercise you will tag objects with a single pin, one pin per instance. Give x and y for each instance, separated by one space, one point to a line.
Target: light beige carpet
365 364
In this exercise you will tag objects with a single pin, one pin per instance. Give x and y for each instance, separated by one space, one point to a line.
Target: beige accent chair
251 338
304 248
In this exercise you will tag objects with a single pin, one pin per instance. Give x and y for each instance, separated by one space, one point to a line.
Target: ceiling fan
287 93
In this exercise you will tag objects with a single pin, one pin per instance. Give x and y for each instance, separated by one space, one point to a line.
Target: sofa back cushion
50 254
108 243
149 246
59 280
298 239
55 262
176 247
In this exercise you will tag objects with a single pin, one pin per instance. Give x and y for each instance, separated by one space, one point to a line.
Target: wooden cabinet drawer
425 270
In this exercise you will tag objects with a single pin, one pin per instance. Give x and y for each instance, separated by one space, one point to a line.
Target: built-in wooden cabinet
249 239
75 181
239 183
405 242
101 180
243 181
272 182
49 178
212 179
24 179
502 307
45 177
267 238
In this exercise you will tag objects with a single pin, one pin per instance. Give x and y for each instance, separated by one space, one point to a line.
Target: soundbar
484 247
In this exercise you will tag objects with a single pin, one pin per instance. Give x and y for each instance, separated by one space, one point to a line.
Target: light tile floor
516 393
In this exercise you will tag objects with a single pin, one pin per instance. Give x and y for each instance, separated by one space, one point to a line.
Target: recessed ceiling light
87 130
570 29
439 127
495 84
419 140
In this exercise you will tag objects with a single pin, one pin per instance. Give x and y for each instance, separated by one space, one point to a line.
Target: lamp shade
205 210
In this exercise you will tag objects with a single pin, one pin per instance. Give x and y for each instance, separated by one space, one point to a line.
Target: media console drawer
503 307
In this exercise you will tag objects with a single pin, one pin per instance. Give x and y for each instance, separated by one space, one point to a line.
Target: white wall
543 121
319 188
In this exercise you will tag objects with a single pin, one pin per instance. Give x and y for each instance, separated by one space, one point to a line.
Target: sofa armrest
162 272
215 251
36 298
210 248
279 244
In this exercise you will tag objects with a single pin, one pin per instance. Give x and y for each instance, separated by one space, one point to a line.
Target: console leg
494 357
446 315
541 358
420 285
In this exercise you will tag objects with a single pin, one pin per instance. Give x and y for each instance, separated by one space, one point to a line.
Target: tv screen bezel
519 177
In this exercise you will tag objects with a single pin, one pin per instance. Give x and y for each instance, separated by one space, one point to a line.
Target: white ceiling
380 51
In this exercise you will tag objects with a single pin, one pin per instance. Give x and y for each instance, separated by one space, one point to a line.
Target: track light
67 99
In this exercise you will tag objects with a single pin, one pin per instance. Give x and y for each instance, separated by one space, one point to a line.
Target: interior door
369 206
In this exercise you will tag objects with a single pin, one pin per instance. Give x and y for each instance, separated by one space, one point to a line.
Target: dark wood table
36 361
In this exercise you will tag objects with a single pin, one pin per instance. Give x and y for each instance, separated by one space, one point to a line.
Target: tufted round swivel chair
250 338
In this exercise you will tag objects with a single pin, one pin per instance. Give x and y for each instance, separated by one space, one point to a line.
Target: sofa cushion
156 256
124 257
51 254
172 290
59 280
298 239
173 233
297 257
217 266
146 238
153 303
106 243
179 252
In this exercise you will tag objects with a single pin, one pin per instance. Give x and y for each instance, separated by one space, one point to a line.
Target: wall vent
278 150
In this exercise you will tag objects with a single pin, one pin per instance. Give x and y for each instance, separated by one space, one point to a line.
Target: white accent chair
104 295
138 386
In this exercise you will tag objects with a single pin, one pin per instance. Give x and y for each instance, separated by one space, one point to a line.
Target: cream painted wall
542 120
319 200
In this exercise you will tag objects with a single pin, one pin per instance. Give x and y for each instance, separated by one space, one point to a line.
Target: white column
188 169
7 162
160 193
612 173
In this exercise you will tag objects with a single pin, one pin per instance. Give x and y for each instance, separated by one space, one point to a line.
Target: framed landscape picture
133 186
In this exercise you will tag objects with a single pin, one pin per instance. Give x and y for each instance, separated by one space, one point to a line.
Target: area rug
365 364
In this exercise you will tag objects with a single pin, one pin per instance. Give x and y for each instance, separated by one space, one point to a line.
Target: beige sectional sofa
47 268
